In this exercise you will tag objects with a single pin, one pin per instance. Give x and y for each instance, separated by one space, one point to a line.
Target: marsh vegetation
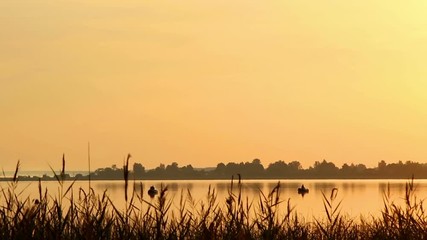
92 215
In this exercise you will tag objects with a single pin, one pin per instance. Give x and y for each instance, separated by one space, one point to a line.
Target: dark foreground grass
88 215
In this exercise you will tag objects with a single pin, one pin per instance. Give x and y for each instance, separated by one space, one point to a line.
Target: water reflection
353 186
394 187
324 186
222 186
351 192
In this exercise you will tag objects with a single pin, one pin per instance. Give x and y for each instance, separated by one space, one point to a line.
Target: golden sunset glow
203 82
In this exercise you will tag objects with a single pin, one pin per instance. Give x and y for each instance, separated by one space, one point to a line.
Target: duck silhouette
302 190
152 192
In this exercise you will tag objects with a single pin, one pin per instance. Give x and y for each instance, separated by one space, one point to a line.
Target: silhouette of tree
382 165
108 173
325 169
220 171
173 168
138 170
254 169
277 169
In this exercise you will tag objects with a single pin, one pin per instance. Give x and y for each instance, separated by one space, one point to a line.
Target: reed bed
90 215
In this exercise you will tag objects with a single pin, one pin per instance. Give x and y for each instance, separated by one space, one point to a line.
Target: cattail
126 175
15 175
63 167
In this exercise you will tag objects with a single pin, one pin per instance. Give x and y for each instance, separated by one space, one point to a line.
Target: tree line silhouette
279 169
255 170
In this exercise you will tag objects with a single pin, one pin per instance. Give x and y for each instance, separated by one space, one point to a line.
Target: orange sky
203 82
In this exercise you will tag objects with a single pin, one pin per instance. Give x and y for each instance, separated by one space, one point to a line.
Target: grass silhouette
90 215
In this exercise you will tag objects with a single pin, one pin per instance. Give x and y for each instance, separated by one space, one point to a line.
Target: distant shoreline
245 170
36 178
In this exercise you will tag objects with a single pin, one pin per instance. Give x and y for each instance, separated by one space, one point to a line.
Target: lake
359 197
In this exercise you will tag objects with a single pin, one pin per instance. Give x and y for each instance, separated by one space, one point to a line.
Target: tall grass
84 214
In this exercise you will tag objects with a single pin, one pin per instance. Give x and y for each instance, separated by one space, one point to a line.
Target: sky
207 81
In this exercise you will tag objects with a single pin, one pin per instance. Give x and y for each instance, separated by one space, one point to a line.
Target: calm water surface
359 197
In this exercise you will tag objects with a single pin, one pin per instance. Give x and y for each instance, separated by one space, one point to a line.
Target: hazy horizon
203 82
